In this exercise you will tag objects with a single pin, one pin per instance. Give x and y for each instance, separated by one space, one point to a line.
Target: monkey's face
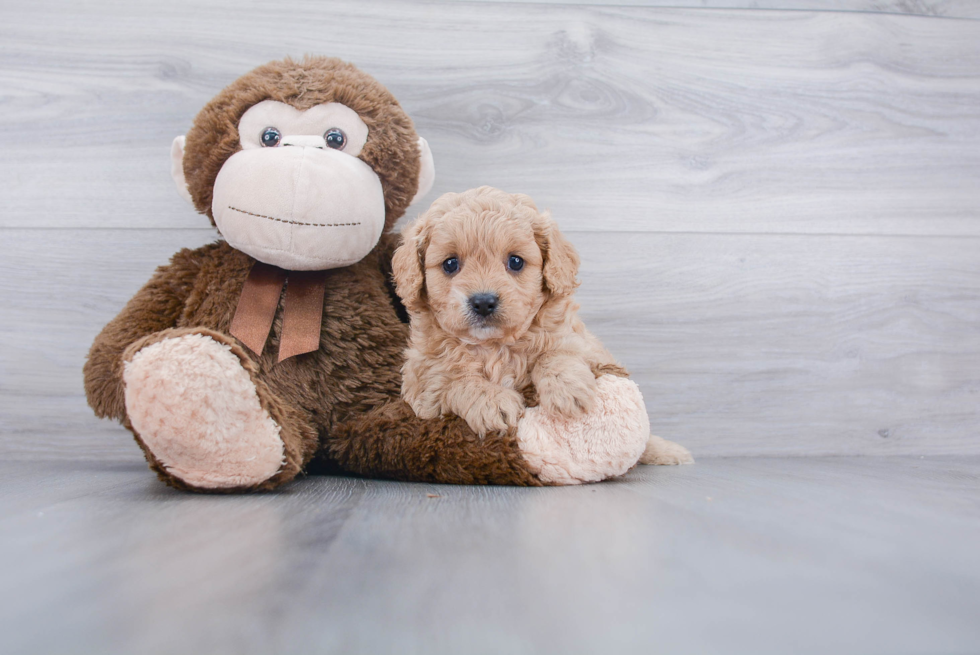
296 195
302 165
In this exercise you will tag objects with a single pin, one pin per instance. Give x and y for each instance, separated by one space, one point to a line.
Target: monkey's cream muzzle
299 207
291 199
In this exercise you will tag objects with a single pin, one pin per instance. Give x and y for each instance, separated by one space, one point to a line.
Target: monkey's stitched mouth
283 220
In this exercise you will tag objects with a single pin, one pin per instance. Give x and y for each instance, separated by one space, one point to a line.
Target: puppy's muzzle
484 304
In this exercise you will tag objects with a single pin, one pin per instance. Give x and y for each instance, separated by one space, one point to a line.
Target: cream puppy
488 282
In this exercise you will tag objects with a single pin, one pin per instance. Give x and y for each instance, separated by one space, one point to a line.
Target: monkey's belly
362 340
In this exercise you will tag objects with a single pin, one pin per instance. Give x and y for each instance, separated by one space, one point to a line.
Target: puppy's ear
560 259
408 263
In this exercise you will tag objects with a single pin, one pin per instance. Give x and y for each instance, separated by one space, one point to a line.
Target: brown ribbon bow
301 316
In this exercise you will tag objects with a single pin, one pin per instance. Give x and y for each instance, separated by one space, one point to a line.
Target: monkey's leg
155 307
606 441
392 442
205 419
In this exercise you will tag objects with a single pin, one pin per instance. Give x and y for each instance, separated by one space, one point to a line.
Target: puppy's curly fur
483 368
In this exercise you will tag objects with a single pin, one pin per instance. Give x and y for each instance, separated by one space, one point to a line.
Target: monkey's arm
392 442
157 306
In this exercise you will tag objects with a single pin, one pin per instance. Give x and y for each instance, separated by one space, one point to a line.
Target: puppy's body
488 282
487 381
494 319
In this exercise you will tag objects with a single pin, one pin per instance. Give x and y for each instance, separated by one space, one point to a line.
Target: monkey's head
303 164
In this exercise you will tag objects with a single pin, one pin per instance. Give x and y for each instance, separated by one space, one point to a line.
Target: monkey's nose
484 304
308 140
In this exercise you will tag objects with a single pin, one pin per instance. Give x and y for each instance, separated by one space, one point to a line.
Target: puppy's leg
661 452
565 383
486 407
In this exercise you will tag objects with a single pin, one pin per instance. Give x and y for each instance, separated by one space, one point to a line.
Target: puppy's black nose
484 304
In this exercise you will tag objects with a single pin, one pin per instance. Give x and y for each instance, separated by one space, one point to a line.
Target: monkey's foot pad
197 410
604 443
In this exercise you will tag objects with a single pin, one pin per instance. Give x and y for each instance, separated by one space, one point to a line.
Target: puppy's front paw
567 394
495 412
425 410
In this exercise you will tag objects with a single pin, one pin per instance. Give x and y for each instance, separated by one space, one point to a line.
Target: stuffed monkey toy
278 349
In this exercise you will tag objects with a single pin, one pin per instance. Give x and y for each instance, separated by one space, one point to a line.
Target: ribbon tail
303 313
257 306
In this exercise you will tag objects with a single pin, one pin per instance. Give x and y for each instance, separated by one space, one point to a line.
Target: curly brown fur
391 442
474 366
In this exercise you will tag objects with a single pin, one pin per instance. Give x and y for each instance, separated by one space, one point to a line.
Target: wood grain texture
777 211
779 219
741 344
933 8
618 118
795 345
758 555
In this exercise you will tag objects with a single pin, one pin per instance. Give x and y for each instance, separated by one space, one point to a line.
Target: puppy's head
483 263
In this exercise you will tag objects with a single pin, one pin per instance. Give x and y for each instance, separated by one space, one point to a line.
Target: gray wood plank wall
937 8
778 211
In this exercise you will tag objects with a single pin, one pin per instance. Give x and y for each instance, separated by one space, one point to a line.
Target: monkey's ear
560 259
408 264
177 168
427 171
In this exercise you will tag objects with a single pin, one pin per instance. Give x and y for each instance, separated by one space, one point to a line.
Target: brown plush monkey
278 349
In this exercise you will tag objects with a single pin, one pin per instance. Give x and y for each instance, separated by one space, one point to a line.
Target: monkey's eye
335 138
271 137
451 265
515 263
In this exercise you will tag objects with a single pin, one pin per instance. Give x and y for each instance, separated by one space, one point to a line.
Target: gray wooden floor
777 203
737 555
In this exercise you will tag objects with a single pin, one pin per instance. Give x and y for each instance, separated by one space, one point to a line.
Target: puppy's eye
271 137
450 266
335 138
515 263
